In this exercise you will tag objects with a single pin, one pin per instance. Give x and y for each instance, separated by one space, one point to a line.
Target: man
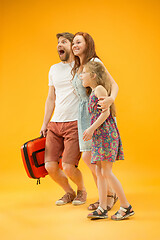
62 132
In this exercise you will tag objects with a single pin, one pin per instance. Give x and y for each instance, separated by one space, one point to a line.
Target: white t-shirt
66 103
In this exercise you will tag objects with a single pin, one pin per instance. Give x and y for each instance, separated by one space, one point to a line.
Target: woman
83 48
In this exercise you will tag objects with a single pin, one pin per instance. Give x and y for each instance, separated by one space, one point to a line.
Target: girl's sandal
93 206
128 212
115 200
97 215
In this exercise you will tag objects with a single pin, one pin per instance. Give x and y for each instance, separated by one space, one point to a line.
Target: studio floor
28 211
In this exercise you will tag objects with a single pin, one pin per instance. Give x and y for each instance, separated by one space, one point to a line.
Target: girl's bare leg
102 187
86 156
115 183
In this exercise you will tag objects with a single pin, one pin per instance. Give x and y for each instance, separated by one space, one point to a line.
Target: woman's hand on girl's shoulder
105 102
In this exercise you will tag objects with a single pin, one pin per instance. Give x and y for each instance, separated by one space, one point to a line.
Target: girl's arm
87 135
105 102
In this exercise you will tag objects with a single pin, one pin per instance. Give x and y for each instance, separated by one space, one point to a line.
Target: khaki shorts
62 137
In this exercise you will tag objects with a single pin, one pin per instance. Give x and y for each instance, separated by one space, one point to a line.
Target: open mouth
61 52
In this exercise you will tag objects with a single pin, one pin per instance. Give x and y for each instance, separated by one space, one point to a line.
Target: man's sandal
96 215
93 206
128 212
115 200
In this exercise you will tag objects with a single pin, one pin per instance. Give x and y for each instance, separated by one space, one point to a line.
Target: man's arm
49 108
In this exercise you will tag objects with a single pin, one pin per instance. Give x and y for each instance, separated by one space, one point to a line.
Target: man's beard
65 57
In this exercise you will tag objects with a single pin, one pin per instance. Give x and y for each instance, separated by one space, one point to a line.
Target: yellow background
126 35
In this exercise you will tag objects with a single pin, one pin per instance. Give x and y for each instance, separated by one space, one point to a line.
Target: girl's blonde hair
101 79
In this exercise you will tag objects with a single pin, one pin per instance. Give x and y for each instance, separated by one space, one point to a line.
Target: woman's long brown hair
90 53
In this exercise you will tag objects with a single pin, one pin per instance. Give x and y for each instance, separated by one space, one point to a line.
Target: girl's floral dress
106 141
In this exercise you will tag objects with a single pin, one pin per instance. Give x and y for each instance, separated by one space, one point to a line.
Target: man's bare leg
58 176
76 176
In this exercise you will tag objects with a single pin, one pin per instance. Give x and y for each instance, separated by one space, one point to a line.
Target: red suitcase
33 158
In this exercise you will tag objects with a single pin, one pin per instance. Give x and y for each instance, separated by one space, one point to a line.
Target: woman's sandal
115 200
96 215
93 206
128 212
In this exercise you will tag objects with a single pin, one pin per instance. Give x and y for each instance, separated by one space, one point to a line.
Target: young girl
106 141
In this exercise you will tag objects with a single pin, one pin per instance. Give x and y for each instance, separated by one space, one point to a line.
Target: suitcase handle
35 158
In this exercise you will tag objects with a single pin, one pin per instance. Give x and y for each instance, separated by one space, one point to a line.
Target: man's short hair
66 35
